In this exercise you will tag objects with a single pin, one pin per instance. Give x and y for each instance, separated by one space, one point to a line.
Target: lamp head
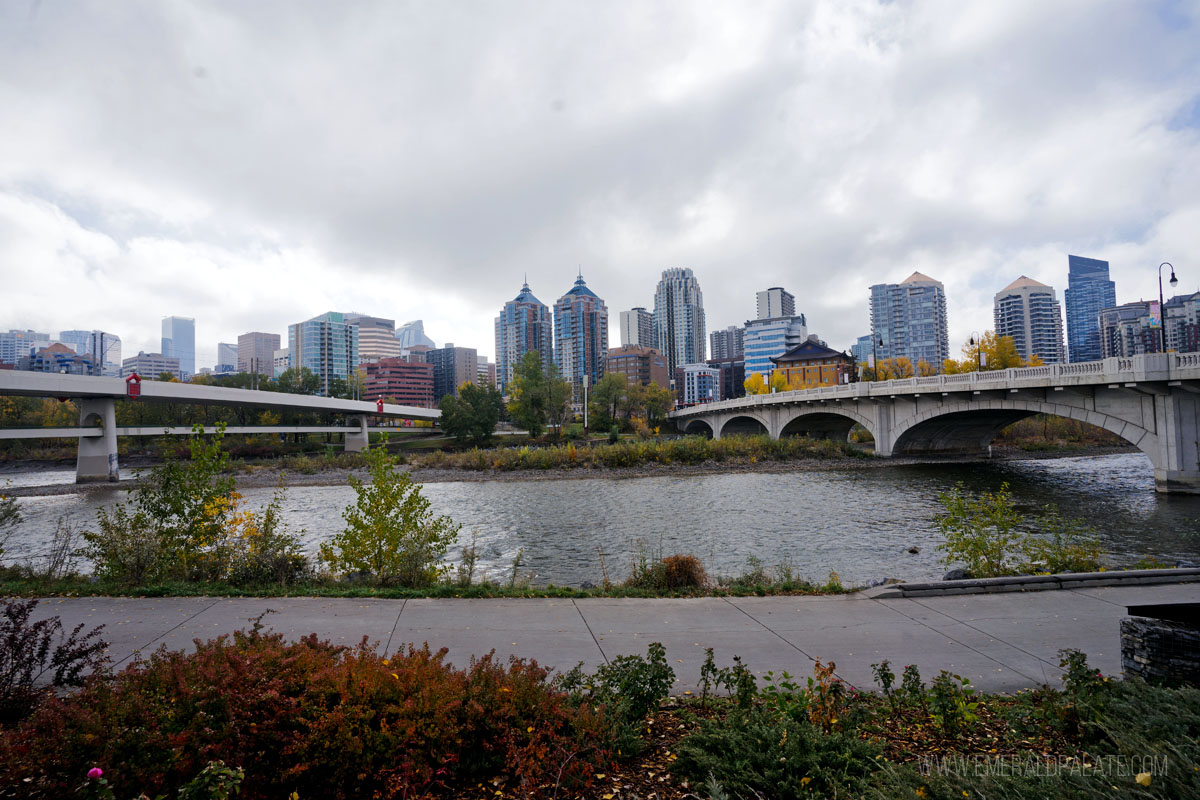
1174 280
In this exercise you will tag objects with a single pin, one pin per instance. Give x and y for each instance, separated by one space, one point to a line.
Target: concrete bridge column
357 440
97 460
1177 469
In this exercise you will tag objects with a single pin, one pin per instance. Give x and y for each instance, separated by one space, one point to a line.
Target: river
859 522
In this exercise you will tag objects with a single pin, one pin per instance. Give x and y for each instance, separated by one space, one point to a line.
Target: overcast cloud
256 164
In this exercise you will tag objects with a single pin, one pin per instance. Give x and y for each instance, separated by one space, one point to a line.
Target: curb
1036 583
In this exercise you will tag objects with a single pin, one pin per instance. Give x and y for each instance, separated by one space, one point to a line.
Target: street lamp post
1162 309
977 342
875 340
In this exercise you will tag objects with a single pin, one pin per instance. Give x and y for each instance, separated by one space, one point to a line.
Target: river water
858 522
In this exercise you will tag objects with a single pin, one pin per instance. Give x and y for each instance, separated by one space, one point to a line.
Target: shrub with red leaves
309 717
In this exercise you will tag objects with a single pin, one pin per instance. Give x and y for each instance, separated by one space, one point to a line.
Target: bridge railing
1150 366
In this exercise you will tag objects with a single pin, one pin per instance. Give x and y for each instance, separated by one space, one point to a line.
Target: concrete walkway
1002 642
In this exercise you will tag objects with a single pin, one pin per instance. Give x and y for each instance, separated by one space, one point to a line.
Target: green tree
472 416
558 400
605 400
299 380
390 531
981 531
658 403
527 395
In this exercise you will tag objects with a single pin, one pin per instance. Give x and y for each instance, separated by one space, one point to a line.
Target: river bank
276 472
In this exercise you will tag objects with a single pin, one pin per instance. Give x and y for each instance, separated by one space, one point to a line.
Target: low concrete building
61 359
150 365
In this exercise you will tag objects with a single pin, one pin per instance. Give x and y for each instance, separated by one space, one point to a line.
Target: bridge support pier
97 460
357 440
1177 470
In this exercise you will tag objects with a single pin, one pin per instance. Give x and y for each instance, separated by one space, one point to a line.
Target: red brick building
644 365
407 383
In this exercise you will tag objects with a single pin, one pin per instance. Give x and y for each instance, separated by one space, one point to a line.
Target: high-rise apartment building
728 343
1182 323
256 352
698 383
179 341
327 345
452 367
1126 330
1028 311
910 318
776 302
580 336
679 331
227 356
643 365
862 350
19 344
770 338
1088 292
637 328
376 337
524 324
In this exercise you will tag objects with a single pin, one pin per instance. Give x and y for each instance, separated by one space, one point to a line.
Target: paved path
1002 642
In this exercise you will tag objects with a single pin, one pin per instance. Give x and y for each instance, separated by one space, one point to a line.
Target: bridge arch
745 423
971 427
698 427
823 423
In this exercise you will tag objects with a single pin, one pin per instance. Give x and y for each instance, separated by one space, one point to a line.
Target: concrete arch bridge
1151 401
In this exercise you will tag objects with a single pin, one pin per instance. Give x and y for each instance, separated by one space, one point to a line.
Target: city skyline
202 185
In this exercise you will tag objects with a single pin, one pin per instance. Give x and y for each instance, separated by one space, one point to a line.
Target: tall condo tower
256 352
1029 312
679 330
327 345
580 336
1088 292
728 343
637 328
776 302
524 324
910 317
179 341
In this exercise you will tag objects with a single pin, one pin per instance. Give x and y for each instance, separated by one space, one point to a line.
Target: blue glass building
580 336
327 345
524 324
1088 291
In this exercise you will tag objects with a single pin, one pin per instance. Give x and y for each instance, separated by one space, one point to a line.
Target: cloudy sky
255 164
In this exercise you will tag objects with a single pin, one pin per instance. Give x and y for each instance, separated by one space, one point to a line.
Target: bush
310 718
30 650
764 754
390 531
982 533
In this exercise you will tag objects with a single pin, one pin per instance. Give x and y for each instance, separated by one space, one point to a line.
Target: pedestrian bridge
1151 401
98 431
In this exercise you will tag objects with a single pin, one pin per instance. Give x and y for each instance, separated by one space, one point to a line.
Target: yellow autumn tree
991 352
755 384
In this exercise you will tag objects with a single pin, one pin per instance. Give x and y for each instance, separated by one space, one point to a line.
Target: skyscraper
910 317
256 352
19 344
776 302
327 345
226 357
580 336
679 331
1088 292
76 339
728 343
524 324
637 328
179 341
411 334
105 350
1029 312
